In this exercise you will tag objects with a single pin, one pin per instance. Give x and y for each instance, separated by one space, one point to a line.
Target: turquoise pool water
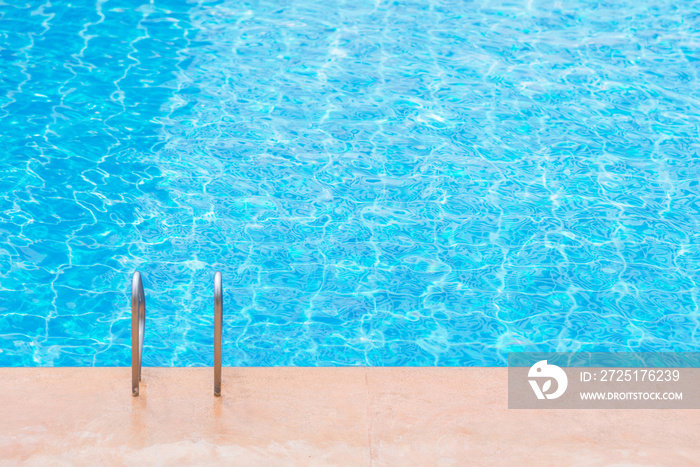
380 183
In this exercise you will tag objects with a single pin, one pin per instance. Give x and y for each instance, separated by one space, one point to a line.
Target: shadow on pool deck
317 416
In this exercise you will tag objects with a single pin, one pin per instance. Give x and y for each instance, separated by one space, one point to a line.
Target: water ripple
406 183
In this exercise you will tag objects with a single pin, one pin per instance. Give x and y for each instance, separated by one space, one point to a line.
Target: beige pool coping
317 416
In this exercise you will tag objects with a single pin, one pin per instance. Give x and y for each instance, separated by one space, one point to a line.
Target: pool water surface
380 183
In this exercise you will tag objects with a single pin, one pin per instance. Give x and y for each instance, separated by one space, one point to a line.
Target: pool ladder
138 329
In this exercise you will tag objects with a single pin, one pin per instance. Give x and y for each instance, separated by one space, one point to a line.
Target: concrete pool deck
317 416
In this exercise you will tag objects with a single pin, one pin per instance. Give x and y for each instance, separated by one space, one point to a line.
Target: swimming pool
380 183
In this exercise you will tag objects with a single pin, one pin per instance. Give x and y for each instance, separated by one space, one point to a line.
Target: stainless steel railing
218 325
138 327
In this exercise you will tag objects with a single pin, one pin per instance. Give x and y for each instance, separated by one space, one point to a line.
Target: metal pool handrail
218 325
138 328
